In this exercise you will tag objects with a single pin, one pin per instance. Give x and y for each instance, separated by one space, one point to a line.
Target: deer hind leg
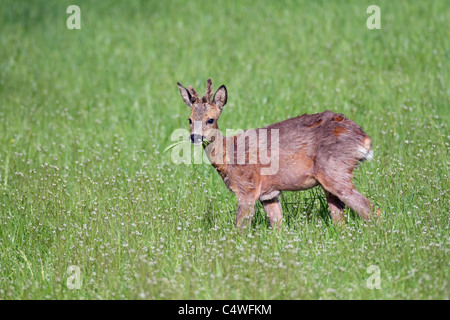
336 208
273 209
346 192
357 202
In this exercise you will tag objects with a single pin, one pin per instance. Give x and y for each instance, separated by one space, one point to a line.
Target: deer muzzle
197 139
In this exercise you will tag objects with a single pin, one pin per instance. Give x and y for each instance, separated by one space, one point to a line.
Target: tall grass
86 115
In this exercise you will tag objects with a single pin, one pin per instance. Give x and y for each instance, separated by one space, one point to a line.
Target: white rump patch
366 154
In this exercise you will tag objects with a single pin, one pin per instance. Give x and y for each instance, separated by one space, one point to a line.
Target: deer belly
294 173
286 181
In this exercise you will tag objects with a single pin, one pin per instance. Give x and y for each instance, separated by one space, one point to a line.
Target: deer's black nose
196 138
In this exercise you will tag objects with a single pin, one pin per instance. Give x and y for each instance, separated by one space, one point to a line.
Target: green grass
86 115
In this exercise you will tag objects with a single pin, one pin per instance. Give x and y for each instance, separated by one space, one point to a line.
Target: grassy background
86 114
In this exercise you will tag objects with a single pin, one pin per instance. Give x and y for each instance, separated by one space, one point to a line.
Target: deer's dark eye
190 121
210 121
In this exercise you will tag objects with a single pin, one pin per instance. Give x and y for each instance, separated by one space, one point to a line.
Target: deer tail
366 151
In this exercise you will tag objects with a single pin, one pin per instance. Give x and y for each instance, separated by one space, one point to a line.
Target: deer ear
187 98
220 97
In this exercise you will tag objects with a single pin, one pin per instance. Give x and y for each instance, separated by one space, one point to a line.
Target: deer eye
210 121
190 121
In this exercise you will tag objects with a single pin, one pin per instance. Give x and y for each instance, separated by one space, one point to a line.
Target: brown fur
339 130
314 149
315 124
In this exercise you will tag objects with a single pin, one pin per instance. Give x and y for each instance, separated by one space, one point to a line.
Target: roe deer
310 150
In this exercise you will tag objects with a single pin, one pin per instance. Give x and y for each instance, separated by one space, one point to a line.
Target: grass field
86 115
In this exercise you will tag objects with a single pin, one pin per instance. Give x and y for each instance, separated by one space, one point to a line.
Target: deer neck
217 154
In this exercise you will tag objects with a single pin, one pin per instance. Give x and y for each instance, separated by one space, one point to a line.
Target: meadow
87 114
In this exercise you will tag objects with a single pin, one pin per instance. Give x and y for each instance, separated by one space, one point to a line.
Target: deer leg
347 193
245 213
357 202
336 208
274 212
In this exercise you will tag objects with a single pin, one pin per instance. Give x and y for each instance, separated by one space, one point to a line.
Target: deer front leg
245 212
273 209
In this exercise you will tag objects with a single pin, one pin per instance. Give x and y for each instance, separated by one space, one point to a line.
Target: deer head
204 112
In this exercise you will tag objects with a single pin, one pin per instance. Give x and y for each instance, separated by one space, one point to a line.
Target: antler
194 94
207 97
209 91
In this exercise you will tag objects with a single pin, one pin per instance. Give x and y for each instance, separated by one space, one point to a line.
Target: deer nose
196 138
